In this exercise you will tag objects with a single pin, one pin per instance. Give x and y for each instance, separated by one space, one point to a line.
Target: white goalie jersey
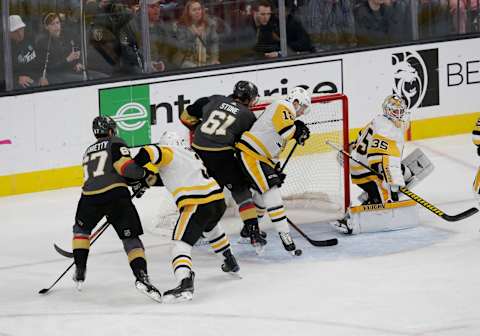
184 175
380 146
271 132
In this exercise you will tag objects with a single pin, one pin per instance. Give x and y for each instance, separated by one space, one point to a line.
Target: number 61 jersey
380 146
223 122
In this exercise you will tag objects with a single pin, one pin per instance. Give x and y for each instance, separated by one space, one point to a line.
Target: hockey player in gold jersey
476 142
201 204
260 149
380 146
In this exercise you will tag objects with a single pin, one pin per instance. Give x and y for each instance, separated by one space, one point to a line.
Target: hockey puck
297 252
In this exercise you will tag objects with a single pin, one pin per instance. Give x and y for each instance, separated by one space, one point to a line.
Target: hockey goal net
314 177
315 181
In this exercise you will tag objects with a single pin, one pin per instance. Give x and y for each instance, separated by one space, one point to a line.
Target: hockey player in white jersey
201 204
260 149
380 146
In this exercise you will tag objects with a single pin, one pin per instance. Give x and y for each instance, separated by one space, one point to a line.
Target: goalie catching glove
302 133
148 180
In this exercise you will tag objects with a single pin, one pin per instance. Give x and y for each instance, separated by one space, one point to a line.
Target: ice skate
142 283
245 235
288 243
183 292
79 277
230 264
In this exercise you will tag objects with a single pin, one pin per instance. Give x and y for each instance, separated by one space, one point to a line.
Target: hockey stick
318 243
327 242
93 236
103 227
288 157
450 218
46 290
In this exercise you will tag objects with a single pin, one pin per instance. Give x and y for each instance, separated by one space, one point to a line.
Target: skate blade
79 285
243 240
259 249
152 294
185 296
235 276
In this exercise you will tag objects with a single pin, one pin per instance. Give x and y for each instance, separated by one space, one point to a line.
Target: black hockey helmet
102 124
245 91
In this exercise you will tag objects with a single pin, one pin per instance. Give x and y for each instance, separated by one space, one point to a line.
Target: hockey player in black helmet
107 164
218 122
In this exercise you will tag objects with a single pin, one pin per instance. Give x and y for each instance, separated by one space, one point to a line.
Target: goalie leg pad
383 217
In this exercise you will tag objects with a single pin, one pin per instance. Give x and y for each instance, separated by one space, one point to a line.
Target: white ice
424 281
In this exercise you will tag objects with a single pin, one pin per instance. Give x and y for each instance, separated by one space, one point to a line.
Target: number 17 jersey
223 122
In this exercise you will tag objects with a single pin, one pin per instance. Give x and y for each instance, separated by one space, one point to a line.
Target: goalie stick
450 218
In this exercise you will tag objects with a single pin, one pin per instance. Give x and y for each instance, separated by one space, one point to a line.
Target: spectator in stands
266 30
197 37
298 40
330 23
434 19
59 54
113 44
465 14
27 68
161 38
372 22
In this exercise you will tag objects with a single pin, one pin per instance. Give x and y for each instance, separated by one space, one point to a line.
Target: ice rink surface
422 281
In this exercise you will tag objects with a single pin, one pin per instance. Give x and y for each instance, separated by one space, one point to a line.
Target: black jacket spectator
372 25
27 68
113 45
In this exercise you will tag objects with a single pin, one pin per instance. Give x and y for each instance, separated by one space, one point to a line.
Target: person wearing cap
25 59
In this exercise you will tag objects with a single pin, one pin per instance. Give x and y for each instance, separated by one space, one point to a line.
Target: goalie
380 146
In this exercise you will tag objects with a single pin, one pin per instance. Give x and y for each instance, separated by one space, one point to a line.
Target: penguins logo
410 77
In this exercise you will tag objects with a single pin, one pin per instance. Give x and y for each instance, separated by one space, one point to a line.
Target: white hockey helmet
395 109
303 98
169 138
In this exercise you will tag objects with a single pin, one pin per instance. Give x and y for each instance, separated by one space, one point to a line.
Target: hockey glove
302 133
143 184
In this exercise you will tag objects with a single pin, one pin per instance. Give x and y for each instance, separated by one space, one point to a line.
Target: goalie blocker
379 217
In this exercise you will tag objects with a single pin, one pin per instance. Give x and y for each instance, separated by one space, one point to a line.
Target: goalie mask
395 109
171 139
302 97
102 124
